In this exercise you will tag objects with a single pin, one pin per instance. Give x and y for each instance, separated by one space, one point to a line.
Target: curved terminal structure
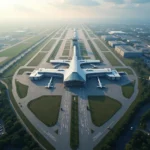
75 75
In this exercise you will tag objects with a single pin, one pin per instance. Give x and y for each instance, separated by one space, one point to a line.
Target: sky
74 9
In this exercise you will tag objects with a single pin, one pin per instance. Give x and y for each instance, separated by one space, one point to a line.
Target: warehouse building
128 51
116 43
109 38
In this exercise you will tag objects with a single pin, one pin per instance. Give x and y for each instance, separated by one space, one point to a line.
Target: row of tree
16 136
143 98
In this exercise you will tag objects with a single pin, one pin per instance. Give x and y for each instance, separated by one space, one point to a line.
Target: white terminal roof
74 72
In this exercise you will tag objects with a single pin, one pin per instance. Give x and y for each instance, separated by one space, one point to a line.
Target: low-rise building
116 43
109 38
128 51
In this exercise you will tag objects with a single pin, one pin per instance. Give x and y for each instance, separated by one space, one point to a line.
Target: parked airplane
99 83
94 66
50 85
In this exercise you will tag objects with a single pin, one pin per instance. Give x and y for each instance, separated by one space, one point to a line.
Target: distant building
116 43
128 51
133 41
109 38
117 32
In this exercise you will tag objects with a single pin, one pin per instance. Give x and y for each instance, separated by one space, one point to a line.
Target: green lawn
74 134
14 51
112 59
10 72
100 45
63 57
128 71
83 49
22 90
49 45
102 108
96 54
56 49
65 53
21 71
23 61
128 90
36 61
46 109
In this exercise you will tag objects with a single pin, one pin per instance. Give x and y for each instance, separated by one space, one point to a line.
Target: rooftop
127 48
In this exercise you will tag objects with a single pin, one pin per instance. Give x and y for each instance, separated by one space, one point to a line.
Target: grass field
49 45
53 54
100 45
22 90
65 53
14 51
102 108
96 54
83 49
67 48
63 57
74 137
8 81
32 129
23 61
112 59
128 90
36 61
21 71
46 109
128 71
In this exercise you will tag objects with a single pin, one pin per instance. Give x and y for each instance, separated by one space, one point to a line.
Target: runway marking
64 120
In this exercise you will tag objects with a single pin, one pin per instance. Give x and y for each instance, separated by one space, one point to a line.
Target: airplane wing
41 72
88 61
102 72
65 61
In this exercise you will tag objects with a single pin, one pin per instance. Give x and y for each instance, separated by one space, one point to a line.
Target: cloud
83 2
128 1
140 1
115 1
75 2
23 9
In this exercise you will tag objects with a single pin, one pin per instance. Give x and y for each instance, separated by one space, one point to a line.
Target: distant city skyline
73 9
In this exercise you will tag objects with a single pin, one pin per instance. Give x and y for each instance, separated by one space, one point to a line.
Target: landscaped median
46 109
83 50
21 71
74 133
53 54
49 45
112 59
128 90
36 61
100 45
96 54
22 89
102 108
